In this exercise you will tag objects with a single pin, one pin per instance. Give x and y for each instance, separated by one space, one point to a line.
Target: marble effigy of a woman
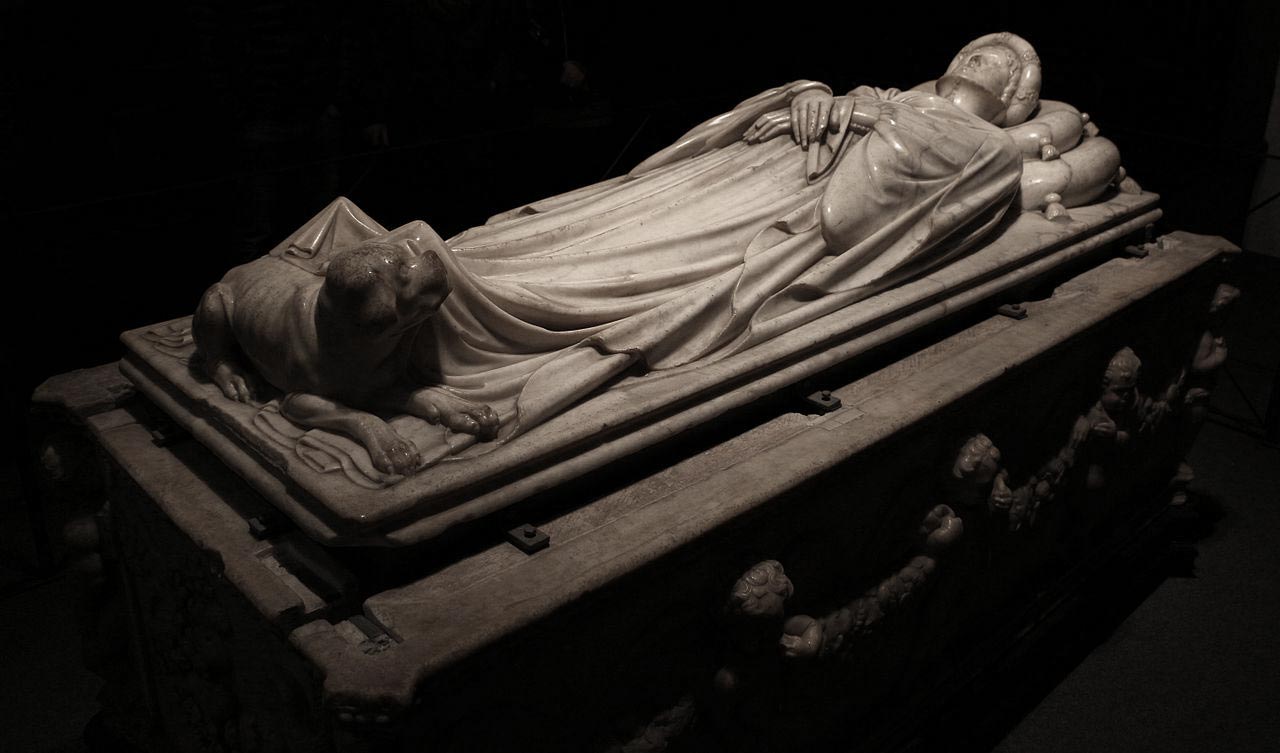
795 204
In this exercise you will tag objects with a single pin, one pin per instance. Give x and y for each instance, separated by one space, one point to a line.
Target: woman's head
996 77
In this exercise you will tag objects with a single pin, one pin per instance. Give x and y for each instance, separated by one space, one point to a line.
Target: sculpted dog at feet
339 345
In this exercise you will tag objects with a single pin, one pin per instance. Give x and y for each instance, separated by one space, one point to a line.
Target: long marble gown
704 250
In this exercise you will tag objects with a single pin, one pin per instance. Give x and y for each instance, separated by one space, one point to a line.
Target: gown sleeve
926 173
728 127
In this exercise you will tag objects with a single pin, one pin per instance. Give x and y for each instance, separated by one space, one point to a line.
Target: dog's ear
354 271
355 287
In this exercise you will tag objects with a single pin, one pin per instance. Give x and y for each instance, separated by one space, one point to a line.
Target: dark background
155 144
148 146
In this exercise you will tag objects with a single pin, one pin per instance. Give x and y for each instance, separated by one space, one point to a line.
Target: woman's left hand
768 126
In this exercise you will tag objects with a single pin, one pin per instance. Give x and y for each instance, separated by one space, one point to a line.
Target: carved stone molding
889 566
219 679
761 639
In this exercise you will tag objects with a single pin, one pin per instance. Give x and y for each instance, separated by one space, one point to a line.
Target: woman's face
988 67
977 84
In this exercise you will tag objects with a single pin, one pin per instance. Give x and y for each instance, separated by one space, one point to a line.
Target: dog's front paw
392 453
440 406
235 382
471 418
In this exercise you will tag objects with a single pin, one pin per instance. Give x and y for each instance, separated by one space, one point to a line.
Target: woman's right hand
810 113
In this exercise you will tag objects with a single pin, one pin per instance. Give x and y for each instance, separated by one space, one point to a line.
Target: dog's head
384 289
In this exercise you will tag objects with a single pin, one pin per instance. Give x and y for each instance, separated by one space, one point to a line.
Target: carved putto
757 603
1120 415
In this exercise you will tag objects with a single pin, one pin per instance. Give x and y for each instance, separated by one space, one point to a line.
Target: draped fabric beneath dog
704 250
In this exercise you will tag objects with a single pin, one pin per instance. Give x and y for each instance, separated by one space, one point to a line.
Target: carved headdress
1022 93
1122 370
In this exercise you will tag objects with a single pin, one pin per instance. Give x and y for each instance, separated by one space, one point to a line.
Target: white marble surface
330 507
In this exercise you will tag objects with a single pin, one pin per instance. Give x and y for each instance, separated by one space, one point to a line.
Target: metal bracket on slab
822 402
267 525
529 539
1012 310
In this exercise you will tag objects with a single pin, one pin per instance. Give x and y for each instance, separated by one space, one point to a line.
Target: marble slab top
458 611
635 413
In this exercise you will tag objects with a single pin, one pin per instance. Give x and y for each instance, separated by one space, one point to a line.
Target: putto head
1122 370
761 591
1120 381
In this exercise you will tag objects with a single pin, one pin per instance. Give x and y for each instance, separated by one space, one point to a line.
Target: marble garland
1120 418
756 622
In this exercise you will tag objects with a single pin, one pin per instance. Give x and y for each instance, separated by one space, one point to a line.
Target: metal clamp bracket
529 539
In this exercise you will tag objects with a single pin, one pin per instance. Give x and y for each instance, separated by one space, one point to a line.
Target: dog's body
338 345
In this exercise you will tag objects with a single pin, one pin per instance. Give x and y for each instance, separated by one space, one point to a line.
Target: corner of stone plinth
359 684
85 392
1187 240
